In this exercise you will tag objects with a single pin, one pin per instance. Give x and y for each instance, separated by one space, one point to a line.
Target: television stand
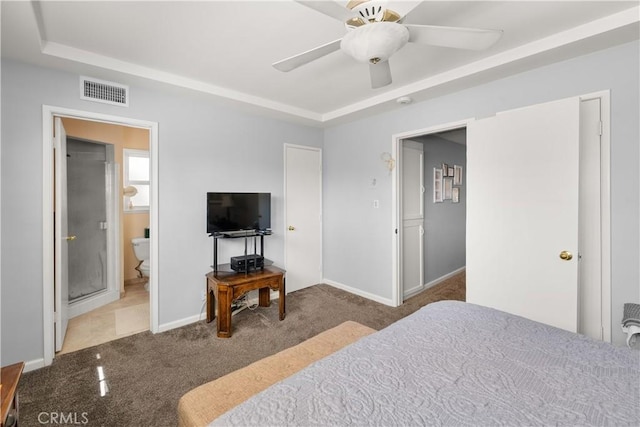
253 261
225 287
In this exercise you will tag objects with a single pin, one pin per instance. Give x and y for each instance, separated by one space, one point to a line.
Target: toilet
141 250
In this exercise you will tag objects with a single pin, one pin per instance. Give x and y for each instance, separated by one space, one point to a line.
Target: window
136 180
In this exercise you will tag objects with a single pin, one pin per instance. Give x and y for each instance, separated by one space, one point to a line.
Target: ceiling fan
375 32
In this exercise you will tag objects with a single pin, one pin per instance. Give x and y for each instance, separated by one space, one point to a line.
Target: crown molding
548 44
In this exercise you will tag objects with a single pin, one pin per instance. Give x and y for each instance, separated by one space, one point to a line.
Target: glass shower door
87 212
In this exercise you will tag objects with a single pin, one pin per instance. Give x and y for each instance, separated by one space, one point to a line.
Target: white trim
502 59
48 228
164 327
48 112
596 28
32 365
284 207
60 50
605 207
396 148
436 281
114 245
274 295
92 302
359 292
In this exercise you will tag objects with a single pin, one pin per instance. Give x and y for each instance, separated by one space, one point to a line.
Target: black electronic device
244 263
228 212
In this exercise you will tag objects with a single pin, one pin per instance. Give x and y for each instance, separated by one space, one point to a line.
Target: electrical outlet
203 295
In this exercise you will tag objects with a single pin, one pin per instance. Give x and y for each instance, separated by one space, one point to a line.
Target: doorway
400 290
433 209
599 259
55 312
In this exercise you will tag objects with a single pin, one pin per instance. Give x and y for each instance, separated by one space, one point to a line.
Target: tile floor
127 316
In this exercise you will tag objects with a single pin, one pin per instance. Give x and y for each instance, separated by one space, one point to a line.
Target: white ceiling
225 48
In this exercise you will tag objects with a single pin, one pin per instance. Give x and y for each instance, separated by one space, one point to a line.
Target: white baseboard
203 315
181 322
32 365
364 294
434 282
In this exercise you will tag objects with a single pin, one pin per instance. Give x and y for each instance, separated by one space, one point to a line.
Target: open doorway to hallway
432 194
502 218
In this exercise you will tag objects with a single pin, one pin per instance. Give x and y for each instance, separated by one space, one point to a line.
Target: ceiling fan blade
456 37
329 8
295 61
380 74
403 7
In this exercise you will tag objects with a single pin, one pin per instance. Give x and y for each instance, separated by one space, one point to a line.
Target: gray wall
206 147
444 223
352 156
203 146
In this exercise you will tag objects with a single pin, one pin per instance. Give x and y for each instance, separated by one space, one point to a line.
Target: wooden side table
224 287
10 375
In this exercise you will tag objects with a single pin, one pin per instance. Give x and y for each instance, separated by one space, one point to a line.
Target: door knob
291 228
70 238
565 255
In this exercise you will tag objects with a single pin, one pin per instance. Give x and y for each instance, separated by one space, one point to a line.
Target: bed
455 363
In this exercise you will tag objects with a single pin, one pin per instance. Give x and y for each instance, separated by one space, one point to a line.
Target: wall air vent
101 91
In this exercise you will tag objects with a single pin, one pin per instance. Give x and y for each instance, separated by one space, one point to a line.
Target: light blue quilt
457 364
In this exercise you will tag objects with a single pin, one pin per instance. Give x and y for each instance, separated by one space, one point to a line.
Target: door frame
408 143
48 114
605 204
605 208
397 292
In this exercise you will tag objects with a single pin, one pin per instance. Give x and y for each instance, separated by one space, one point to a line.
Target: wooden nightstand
10 376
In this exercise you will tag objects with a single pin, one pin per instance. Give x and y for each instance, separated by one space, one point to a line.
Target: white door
303 216
62 238
412 185
522 212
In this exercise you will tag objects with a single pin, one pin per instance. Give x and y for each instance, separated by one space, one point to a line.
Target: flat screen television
238 211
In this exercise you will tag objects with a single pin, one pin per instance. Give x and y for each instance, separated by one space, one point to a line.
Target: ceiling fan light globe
379 40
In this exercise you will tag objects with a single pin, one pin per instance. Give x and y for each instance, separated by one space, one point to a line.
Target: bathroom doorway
94 146
99 206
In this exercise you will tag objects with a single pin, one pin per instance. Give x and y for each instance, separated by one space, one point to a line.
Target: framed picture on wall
450 172
437 185
457 175
455 195
448 188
